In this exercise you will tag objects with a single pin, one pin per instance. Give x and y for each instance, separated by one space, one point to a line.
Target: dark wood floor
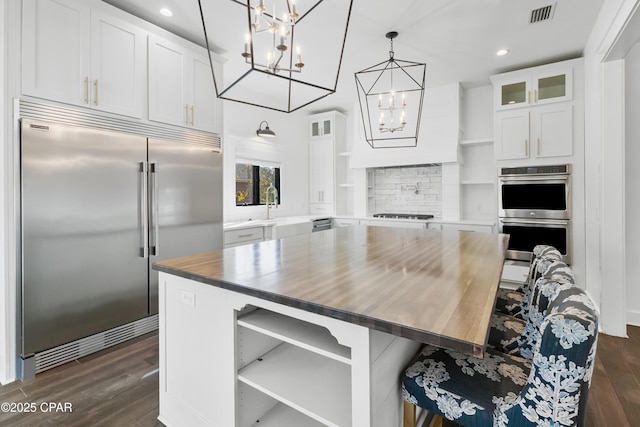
116 387
119 387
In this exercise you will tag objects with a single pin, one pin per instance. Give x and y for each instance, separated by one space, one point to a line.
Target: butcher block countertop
436 287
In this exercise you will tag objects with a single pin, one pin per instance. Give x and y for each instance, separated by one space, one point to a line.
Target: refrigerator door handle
154 202
144 214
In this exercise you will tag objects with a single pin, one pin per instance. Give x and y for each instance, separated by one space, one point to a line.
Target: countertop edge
477 349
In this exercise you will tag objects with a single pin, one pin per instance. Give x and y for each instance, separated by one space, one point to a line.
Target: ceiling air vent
542 14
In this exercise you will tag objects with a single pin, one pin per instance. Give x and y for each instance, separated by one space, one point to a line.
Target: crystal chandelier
267 70
279 30
391 93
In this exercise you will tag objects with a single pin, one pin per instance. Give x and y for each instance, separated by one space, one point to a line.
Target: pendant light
390 95
278 54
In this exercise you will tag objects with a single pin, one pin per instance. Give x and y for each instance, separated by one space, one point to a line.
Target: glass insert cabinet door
536 89
321 127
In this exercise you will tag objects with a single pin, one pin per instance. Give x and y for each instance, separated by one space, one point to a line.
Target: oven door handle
549 179
516 221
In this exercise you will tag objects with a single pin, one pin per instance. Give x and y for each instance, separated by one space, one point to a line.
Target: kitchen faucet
275 198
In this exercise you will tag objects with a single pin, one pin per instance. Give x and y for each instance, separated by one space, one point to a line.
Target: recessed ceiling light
502 52
166 12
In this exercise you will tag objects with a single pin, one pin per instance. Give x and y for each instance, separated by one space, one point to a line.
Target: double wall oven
534 207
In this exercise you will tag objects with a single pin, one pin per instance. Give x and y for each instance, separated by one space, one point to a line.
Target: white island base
228 359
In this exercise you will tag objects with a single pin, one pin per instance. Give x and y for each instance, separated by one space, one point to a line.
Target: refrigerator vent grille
94 120
66 353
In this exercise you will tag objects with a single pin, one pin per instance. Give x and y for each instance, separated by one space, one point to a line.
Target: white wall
290 148
604 161
5 374
632 177
9 88
477 113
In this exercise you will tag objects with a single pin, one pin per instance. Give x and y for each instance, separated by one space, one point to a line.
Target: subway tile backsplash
408 189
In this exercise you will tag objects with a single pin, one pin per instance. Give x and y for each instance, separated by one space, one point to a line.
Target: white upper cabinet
168 101
534 115
534 133
536 88
118 66
56 50
321 126
82 56
181 89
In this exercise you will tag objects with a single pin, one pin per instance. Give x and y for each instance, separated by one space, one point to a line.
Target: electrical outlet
188 298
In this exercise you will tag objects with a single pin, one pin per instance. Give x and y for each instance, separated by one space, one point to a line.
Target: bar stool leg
409 415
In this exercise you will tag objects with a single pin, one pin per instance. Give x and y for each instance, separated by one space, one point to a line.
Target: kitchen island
315 329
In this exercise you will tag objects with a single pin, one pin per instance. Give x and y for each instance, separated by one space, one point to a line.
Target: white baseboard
633 317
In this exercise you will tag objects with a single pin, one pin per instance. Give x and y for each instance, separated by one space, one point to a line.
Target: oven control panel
537 170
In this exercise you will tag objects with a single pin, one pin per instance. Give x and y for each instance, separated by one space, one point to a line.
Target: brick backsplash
408 189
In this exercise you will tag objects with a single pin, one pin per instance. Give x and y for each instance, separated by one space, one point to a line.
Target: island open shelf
281 415
297 332
314 385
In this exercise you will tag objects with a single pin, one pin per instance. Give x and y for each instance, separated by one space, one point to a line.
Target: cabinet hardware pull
528 97
96 91
245 235
186 112
526 148
192 113
86 90
538 147
535 96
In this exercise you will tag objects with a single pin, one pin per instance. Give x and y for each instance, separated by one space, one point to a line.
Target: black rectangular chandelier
390 95
280 54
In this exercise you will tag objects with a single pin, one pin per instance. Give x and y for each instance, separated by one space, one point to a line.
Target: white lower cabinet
393 223
243 236
344 222
459 226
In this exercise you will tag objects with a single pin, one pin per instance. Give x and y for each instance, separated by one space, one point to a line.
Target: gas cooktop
402 216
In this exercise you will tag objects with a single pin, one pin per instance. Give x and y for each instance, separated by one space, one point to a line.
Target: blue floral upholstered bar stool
500 389
514 302
510 334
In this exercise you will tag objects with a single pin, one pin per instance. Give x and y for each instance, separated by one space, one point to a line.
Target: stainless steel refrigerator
98 208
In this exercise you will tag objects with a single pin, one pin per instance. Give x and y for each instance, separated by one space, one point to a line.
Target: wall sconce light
266 132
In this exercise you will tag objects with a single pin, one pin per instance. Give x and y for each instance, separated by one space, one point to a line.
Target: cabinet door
552 87
552 130
55 50
118 66
316 171
316 130
321 180
512 94
168 101
512 130
321 127
203 108
327 127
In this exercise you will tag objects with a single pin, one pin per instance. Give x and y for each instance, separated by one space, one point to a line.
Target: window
252 182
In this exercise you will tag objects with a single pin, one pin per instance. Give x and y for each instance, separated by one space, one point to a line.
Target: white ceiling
457 39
